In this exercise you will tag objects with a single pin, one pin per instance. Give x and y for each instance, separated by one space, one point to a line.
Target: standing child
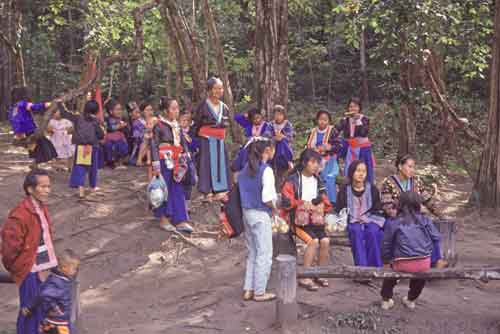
186 122
169 153
258 199
254 125
325 140
115 145
20 116
407 247
305 202
282 134
88 133
60 130
355 128
151 120
138 125
55 297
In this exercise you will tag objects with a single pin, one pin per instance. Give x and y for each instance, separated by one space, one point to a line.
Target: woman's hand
279 136
327 147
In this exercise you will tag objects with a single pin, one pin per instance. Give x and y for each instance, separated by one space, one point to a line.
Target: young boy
55 297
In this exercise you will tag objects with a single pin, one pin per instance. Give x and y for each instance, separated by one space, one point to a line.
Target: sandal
266 297
248 295
322 282
309 286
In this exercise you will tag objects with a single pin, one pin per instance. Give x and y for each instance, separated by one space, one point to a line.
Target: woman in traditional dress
355 128
325 140
365 224
210 122
20 116
403 181
169 153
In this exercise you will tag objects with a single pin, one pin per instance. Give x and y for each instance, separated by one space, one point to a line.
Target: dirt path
139 279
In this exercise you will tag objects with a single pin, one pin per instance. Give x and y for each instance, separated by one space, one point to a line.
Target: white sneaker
167 227
408 303
387 304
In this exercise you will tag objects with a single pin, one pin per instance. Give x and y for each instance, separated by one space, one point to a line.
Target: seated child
305 203
60 129
407 247
282 134
254 125
55 297
115 145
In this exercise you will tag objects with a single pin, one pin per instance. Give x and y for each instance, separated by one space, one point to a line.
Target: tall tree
271 34
488 183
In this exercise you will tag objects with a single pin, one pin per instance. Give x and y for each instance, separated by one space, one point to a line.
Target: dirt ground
136 278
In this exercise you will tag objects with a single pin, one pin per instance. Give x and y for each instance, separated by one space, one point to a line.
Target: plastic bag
337 222
157 192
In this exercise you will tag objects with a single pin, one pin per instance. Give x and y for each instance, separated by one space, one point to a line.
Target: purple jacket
21 119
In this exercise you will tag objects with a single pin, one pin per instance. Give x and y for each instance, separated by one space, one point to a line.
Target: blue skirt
115 150
29 290
175 208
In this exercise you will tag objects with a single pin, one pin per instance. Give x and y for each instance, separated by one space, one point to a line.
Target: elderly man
27 247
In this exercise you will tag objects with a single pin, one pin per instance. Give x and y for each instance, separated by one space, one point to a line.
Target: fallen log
352 272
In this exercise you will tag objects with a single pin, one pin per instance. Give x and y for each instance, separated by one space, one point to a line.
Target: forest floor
136 278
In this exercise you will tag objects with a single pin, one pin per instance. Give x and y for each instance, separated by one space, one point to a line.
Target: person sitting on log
115 144
55 297
365 225
20 116
406 181
407 247
305 202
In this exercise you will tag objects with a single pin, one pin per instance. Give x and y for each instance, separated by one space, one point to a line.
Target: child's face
268 154
57 115
148 112
323 121
69 268
360 174
136 114
185 121
312 166
257 119
408 168
353 108
117 111
173 110
279 117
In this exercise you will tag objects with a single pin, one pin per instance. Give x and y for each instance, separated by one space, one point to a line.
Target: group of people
188 149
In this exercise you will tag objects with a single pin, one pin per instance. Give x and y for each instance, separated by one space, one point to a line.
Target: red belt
164 148
359 142
208 131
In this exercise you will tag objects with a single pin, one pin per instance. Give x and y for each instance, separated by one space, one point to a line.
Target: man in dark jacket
27 248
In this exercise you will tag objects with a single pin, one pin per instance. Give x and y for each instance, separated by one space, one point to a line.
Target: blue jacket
251 189
403 239
55 297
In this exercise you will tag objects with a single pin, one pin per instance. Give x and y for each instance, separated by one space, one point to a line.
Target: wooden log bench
448 231
286 306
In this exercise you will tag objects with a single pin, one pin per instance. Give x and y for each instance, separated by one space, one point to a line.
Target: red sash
208 131
176 151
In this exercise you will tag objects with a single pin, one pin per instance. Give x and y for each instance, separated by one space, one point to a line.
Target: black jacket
87 130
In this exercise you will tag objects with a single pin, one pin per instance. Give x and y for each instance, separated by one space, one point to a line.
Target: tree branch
9 45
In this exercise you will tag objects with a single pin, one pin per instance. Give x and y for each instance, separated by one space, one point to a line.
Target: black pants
416 287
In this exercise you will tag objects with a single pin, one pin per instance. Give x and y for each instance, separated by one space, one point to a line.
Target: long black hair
111 105
410 204
255 151
352 169
323 112
254 112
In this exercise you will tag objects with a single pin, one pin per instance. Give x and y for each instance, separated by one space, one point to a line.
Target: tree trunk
221 67
187 39
271 53
407 115
488 183
364 74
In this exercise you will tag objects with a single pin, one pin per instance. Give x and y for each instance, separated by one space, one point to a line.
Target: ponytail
255 151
